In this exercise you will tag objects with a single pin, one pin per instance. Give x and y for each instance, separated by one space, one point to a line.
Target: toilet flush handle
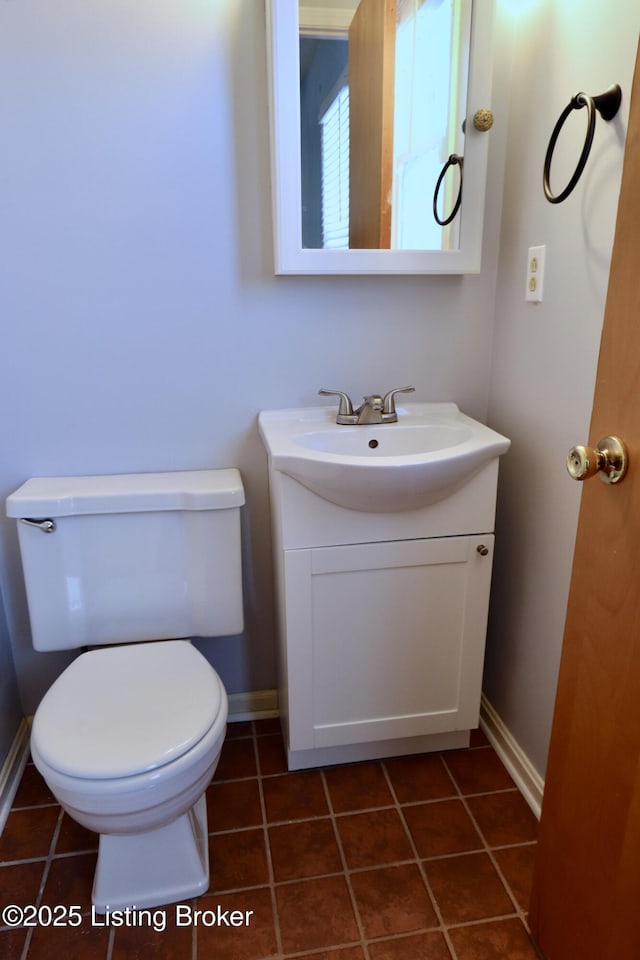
47 526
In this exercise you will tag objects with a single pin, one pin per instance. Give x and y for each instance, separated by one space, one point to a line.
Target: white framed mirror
311 44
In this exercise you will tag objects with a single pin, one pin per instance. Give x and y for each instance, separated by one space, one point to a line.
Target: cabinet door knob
608 459
482 550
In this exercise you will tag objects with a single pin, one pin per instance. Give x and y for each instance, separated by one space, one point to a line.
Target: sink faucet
373 409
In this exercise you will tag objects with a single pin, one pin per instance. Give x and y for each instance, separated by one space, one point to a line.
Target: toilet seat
118 712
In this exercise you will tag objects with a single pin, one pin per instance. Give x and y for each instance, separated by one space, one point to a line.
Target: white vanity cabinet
386 640
381 643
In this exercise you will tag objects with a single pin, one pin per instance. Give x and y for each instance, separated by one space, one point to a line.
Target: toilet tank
133 557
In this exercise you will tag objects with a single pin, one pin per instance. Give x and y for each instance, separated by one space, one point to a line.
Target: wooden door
372 37
586 895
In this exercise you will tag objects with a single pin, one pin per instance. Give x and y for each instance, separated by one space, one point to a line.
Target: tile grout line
110 944
267 845
487 848
32 806
421 868
43 879
345 866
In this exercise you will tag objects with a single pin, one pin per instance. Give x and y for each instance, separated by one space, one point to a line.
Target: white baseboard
527 778
255 705
13 768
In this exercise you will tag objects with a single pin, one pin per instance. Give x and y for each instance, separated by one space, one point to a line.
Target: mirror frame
283 51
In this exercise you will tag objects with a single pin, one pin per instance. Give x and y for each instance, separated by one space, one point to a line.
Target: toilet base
149 869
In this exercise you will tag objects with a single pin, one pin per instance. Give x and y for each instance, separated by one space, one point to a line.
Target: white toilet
129 736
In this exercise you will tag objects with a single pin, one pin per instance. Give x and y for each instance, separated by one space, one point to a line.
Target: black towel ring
607 105
453 161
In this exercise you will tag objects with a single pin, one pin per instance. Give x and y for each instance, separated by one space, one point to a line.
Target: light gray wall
10 709
545 356
143 326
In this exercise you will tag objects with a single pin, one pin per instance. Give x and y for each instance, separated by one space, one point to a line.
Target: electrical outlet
535 274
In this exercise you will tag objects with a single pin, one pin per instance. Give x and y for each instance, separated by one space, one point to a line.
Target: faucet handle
346 407
389 403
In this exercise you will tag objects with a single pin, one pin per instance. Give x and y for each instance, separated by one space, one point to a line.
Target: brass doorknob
609 460
483 120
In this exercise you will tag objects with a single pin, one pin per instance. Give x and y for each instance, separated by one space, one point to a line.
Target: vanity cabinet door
385 640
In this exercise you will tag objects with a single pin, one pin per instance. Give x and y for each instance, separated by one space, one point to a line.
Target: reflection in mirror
383 92
374 213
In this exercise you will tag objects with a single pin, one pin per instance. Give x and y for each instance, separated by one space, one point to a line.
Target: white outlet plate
535 274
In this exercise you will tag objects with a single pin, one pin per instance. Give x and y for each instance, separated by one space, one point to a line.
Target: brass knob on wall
608 459
483 120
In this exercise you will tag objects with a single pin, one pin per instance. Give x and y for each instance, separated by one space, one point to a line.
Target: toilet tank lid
127 493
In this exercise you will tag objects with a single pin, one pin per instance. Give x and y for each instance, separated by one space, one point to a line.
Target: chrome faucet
373 409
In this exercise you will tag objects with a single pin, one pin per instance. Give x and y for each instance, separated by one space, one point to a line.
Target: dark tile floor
416 858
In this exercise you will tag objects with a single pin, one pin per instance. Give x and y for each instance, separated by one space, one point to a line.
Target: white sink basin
431 451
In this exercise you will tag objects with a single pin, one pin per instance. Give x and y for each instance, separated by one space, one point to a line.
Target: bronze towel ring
607 105
454 160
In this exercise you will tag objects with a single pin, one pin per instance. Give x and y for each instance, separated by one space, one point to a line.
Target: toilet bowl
129 736
136 793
